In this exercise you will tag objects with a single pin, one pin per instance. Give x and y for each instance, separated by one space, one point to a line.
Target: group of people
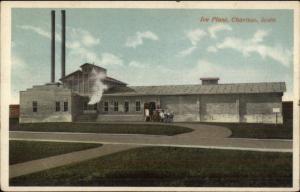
159 115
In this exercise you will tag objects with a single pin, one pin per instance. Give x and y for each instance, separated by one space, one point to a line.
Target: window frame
138 106
104 106
116 107
126 107
85 106
34 106
57 107
66 106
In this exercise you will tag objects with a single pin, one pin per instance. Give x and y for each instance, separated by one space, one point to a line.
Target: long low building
68 100
207 101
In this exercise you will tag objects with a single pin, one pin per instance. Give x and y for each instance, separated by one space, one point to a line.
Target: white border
5 81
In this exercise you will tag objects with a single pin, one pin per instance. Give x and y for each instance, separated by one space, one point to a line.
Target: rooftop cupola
209 80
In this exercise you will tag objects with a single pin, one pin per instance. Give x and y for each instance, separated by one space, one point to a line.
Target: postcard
150 96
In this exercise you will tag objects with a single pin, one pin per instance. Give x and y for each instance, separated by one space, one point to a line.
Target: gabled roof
110 79
93 65
73 73
239 88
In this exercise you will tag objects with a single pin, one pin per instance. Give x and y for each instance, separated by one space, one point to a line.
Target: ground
152 129
183 154
22 151
239 130
259 130
171 166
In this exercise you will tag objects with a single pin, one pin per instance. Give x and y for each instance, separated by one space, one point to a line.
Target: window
34 106
126 106
138 106
106 106
116 106
91 85
66 106
57 106
95 107
85 105
85 83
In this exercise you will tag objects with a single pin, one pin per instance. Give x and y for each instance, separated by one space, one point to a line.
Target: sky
155 46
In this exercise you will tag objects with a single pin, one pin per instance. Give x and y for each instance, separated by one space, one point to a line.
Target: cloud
212 49
81 44
195 35
84 55
186 52
76 37
110 59
212 30
37 30
254 45
136 64
81 37
259 36
17 62
206 68
138 38
23 76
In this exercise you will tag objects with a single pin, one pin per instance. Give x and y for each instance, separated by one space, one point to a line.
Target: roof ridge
252 83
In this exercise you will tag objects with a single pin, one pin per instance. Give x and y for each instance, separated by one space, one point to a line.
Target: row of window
116 106
57 106
126 106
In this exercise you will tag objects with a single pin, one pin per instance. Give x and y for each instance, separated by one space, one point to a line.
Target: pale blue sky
155 46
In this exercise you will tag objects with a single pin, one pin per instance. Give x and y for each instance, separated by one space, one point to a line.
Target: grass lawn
103 128
258 130
171 166
22 151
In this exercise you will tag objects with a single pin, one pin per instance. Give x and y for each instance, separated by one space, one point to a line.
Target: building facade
206 102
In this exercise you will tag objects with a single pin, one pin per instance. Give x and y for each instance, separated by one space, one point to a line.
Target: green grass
258 130
171 166
103 128
22 151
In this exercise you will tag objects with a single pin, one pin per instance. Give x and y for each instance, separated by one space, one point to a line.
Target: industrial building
208 101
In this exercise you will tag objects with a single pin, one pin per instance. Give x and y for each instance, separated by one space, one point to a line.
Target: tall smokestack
52 46
63 43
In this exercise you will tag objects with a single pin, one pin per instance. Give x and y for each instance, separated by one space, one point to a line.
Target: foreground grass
22 151
103 128
171 166
258 130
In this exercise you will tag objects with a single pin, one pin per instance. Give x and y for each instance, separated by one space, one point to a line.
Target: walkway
203 136
65 159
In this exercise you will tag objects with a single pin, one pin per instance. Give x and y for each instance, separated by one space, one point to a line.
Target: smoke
98 86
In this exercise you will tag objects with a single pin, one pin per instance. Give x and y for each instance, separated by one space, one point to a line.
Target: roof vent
209 80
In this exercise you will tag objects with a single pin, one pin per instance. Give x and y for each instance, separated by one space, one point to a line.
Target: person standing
147 114
162 115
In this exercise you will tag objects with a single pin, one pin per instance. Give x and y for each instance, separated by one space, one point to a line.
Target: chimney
63 44
52 46
209 80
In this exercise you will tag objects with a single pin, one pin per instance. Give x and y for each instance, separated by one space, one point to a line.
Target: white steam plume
98 86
